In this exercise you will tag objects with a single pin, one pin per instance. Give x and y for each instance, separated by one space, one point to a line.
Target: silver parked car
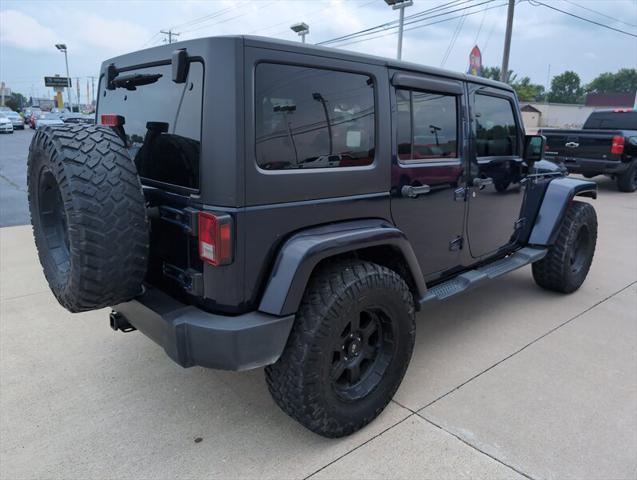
47 118
5 123
16 120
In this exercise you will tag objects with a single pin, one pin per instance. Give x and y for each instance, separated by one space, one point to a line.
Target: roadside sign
475 61
57 82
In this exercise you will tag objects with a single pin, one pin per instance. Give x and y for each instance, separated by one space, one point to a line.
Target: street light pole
62 48
400 5
302 29
504 73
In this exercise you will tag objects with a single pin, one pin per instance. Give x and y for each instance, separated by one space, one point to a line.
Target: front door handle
482 182
413 192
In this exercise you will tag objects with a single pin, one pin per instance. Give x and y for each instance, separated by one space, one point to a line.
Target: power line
484 16
204 18
393 23
427 24
600 13
536 3
452 42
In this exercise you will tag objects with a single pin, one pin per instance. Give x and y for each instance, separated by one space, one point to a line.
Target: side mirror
180 64
534 148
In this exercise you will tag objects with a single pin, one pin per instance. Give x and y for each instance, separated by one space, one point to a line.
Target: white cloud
25 32
118 36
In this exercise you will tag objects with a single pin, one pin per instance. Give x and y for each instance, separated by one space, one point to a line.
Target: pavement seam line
361 445
13 184
18 297
527 345
520 472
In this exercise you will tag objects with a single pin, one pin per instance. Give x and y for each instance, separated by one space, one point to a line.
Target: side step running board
473 278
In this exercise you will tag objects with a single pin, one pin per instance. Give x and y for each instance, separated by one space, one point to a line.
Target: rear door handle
413 192
482 182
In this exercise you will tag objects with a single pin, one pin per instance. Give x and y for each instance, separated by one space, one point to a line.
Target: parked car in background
47 118
6 126
16 120
606 145
32 117
78 118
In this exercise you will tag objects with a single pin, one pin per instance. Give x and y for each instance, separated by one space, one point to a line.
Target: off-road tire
627 181
300 380
565 266
88 215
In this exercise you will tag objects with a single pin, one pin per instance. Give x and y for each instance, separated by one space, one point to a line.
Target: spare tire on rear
88 215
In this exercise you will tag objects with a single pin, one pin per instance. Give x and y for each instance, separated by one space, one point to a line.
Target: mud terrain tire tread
295 380
105 215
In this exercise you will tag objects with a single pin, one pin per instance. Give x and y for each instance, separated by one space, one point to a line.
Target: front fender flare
300 254
558 195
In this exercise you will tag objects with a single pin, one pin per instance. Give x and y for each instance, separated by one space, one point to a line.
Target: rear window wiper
129 82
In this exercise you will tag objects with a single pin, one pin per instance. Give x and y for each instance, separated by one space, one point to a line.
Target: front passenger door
496 190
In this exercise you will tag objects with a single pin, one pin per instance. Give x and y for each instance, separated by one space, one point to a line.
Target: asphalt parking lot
506 381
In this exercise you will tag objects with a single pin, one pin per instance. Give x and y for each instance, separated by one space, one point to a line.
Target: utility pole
92 90
170 34
504 73
77 87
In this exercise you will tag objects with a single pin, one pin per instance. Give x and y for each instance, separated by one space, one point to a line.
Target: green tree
624 81
15 101
494 74
527 91
566 88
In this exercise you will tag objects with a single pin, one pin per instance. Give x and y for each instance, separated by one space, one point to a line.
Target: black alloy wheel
362 353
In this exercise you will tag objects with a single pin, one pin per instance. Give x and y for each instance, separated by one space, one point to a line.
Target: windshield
49 116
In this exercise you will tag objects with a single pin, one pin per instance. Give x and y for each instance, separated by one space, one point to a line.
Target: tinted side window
496 131
427 126
313 118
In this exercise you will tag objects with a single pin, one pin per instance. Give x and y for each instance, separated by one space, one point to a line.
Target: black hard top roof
305 48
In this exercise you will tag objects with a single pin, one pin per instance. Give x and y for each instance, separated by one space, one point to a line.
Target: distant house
617 100
530 116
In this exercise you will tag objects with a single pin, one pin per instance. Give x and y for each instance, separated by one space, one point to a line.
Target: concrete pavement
506 381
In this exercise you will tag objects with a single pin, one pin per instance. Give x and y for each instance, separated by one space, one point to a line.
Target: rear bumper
191 336
592 166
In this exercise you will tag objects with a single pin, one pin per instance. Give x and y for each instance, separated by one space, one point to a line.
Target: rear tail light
215 238
618 145
112 120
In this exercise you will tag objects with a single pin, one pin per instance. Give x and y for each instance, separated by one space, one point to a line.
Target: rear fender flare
559 193
300 254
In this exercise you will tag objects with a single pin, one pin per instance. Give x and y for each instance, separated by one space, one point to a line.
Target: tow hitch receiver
119 322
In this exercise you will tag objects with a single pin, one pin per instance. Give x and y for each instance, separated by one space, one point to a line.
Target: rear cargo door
162 127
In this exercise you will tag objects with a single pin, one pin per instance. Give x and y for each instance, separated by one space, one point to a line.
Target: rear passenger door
428 189
496 190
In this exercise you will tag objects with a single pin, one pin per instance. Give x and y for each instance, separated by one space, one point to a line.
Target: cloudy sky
95 30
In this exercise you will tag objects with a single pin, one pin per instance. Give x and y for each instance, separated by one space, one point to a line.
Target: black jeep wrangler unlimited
246 202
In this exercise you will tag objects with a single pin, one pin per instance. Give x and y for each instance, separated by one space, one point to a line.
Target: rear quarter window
313 118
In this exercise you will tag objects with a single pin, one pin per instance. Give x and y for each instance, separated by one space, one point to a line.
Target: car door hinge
456 244
520 223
